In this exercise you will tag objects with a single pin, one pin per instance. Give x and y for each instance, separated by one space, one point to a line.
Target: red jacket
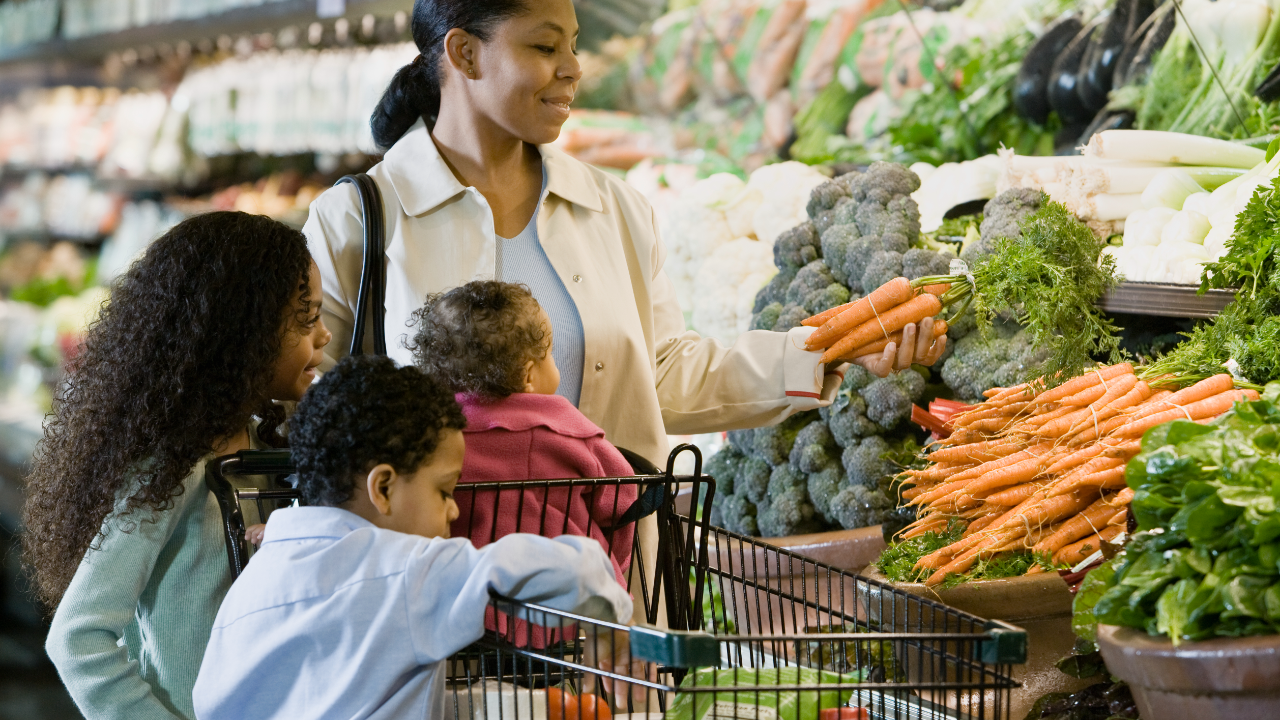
542 437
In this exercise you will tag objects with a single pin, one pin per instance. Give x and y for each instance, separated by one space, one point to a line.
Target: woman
473 191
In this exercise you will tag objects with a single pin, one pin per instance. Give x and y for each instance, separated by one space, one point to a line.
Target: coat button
599 366
577 278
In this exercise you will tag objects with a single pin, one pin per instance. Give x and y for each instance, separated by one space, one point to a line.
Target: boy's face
422 503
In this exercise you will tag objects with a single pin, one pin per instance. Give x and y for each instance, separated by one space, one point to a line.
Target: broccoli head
858 254
823 486
857 506
865 463
911 381
883 179
738 514
767 317
836 240
856 378
742 439
752 480
850 422
899 216
825 196
827 218
979 364
815 449
814 277
1002 218
776 290
790 317
773 444
787 510
797 247
888 402
723 468
883 267
919 262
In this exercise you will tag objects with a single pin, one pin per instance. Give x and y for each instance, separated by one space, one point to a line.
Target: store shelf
256 19
1166 300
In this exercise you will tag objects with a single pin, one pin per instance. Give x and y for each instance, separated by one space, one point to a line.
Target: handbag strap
371 300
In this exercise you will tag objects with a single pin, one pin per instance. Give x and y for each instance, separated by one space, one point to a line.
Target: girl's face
541 376
527 74
303 346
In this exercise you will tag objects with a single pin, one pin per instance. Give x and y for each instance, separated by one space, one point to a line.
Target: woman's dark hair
415 90
364 412
182 354
477 338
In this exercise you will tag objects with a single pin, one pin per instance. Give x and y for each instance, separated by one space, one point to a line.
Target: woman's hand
610 652
918 348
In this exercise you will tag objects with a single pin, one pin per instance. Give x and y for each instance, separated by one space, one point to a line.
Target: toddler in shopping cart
357 598
491 342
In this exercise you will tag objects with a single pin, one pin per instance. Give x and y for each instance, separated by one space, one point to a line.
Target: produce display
1206 560
1041 475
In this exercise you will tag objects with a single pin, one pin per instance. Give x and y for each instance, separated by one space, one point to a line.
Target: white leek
1201 202
1104 207
1173 148
1146 227
1170 188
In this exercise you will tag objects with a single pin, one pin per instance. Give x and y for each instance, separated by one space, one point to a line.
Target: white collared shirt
645 375
336 618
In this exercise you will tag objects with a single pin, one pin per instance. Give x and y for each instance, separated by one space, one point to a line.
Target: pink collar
524 411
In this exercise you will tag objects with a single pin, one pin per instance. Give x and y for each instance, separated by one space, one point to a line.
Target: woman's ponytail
414 92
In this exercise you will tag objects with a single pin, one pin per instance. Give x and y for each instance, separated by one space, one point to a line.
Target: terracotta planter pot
849 550
1227 679
1039 604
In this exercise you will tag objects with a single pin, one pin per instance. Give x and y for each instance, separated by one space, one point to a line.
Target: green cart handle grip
675 649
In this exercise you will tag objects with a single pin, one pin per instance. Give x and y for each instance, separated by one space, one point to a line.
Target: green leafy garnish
898 561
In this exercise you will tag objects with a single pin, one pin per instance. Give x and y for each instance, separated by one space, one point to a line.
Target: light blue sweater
131 630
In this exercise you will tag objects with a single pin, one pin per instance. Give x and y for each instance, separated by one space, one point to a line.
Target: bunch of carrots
867 326
1046 472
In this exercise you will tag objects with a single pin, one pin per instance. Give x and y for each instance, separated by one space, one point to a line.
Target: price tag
331 8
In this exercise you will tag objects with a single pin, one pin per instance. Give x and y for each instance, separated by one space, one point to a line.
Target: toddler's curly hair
477 338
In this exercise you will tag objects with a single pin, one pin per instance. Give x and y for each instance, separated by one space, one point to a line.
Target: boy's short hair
364 412
478 337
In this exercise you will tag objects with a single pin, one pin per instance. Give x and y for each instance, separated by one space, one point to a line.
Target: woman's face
527 73
303 346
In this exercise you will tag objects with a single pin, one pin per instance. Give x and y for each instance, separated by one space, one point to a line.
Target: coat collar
312 522
423 181
524 411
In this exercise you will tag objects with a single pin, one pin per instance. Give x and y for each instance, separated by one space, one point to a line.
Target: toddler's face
542 376
422 502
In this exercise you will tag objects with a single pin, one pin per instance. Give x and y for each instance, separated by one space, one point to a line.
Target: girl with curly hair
219 318
491 343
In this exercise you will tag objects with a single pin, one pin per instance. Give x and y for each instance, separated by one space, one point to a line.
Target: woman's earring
471 70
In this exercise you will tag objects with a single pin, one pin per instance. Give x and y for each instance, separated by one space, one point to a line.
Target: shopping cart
782 638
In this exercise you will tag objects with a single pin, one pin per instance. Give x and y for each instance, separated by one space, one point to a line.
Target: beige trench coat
644 374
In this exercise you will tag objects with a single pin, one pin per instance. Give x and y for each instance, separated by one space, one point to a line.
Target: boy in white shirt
355 599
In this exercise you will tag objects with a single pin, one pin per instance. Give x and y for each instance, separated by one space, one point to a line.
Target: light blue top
522 259
129 634
336 618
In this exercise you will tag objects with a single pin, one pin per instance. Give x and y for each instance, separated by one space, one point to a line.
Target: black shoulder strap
371 299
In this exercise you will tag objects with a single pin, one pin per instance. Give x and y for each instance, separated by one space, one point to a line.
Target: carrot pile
1046 472
867 326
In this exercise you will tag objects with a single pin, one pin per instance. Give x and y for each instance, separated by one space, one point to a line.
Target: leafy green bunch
1207 560
1049 279
1247 330
898 561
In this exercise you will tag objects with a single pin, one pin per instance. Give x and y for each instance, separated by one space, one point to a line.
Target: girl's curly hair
476 338
181 355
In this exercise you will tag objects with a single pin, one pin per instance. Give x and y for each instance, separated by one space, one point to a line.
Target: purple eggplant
1099 62
1107 120
1135 62
1269 89
1031 89
1064 96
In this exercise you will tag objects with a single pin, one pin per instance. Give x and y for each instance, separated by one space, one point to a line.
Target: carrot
1124 450
939 289
935 522
986 413
1014 495
1098 464
821 318
1208 408
1052 509
989 449
1109 479
1086 523
939 329
912 311
1075 385
1039 420
979 524
992 465
1206 388
1102 424
884 298
1089 395
1075 459
1015 474
1080 551
1120 518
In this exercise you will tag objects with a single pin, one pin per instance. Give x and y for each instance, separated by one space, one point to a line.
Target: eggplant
1031 89
1135 63
1106 120
1064 76
1099 62
1067 140
1138 15
1269 89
